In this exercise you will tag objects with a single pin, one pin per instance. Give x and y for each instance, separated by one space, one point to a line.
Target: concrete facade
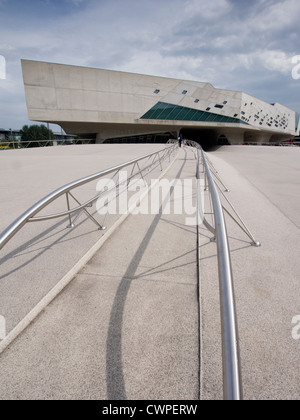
114 104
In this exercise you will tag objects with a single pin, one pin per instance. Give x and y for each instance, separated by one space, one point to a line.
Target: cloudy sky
245 45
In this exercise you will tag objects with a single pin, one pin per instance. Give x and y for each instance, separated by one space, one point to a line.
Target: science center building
110 105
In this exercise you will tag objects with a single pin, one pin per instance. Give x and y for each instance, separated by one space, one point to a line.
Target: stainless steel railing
232 384
30 215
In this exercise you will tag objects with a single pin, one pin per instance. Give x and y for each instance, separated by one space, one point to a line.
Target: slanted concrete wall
114 103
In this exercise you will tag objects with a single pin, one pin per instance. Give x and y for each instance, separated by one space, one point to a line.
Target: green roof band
165 111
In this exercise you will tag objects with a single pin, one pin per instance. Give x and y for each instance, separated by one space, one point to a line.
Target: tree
34 133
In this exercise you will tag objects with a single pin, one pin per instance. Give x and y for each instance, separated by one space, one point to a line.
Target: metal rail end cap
257 244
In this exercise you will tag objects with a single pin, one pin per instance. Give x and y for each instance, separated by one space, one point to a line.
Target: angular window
184 92
225 102
156 91
208 109
218 106
196 101
165 111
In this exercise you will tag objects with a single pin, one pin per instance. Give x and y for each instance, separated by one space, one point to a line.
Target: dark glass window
165 111
156 91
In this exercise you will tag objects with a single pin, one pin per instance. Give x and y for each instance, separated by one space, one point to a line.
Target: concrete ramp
127 326
264 187
141 320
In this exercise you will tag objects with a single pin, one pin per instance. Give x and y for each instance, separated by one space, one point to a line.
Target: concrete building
10 134
112 104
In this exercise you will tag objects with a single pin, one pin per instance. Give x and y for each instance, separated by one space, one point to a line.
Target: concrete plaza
141 319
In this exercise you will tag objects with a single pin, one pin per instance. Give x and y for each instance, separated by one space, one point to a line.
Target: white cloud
154 63
278 15
75 2
206 9
6 47
277 61
270 60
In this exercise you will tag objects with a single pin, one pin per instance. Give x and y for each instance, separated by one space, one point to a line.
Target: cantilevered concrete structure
113 104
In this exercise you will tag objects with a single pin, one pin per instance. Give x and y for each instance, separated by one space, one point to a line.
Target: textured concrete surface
42 253
29 174
264 187
127 326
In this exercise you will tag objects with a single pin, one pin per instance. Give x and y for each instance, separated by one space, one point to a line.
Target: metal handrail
232 383
28 215
232 386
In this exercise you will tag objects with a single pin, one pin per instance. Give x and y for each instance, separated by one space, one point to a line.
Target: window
184 92
225 102
196 101
208 109
218 106
156 91
166 111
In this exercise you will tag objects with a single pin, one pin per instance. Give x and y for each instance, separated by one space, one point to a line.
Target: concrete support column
99 138
261 138
235 137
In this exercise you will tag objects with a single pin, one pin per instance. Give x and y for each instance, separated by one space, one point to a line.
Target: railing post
71 224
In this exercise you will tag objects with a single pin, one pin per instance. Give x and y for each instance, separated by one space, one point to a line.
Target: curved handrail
231 361
29 214
232 383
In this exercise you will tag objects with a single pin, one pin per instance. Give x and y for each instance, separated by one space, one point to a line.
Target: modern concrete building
112 104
